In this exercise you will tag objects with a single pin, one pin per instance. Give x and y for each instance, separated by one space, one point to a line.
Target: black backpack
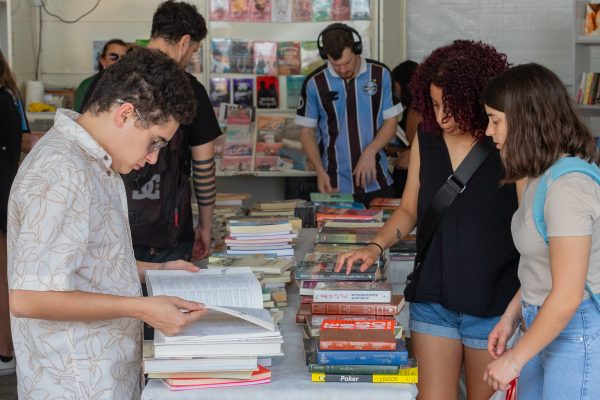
158 196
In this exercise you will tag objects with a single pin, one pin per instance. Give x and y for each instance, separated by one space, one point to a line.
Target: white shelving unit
6 31
586 56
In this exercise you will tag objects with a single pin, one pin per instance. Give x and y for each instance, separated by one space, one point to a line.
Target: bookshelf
586 58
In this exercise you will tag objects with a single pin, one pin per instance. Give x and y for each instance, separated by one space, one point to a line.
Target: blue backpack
561 167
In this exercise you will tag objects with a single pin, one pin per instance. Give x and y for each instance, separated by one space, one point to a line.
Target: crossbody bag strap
445 196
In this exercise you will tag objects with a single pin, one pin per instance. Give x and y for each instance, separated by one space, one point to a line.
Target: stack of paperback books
260 235
227 205
223 347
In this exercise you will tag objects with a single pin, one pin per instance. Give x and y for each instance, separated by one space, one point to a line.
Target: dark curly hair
542 122
152 82
462 70
173 20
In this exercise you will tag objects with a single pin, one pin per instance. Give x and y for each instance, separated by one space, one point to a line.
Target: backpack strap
561 167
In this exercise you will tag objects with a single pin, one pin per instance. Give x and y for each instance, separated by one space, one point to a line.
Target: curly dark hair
541 120
173 20
152 82
462 70
334 41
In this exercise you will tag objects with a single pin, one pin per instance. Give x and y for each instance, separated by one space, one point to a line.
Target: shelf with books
586 46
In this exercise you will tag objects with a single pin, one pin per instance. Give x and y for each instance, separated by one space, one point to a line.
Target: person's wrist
516 366
377 246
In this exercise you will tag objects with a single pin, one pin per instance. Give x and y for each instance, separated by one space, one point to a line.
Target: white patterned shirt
68 230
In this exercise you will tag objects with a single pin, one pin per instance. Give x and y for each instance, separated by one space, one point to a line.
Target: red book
306 299
392 308
324 213
303 313
357 335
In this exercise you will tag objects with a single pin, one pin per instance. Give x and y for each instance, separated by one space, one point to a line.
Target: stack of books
223 347
260 235
387 205
284 208
327 213
227 205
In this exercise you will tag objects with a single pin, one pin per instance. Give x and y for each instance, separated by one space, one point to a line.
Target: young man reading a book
75 293
347 103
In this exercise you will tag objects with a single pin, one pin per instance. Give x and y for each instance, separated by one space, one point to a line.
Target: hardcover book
393 308
310 58
288 58
320 266
360 9
267 94
354 369
261 375
294 89
372 378
219 90
239 10
321 10
281 11
243 89
365 357
353 292
324 213
219 62
219 10
241 57
340 10
265 58
357 335
301 10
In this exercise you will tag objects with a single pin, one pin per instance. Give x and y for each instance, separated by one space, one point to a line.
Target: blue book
365 357
332 197
344 204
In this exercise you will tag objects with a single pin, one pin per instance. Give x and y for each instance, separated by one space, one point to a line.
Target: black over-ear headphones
356 46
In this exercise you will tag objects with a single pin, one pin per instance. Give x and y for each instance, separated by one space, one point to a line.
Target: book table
290 376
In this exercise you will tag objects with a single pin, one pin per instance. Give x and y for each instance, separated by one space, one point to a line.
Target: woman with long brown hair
533 122
12 126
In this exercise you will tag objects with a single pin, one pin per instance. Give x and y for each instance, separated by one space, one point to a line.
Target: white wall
526 30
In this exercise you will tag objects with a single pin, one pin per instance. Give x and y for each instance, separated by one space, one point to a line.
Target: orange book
260 374
357 335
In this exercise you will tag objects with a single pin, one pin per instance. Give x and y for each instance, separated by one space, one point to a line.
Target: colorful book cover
294 88
270 122
237 149
357 335
219 10
288 58
310 56
353 292
340 10
360 9
267 92
265 58
365 357
237 114
331 197
195 67
236 164
321 10
239 10
301 10
391 309
354 369
219 91
267 149
265 163
219 144
260 10
238 133
281 11
219 60
241 56
243 89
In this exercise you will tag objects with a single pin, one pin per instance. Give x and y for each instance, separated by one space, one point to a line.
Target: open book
233 298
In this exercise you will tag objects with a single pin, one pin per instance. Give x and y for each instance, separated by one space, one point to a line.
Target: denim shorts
569 367
436 320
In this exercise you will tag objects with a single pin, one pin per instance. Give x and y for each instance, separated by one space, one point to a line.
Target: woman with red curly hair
468 274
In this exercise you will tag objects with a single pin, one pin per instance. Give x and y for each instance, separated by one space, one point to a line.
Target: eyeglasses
114 56
157 143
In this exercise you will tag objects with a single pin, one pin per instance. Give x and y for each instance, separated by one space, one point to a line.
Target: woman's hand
500 335
178 264
368 255
170 314
500 372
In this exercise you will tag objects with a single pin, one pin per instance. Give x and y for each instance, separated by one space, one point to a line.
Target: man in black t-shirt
177 30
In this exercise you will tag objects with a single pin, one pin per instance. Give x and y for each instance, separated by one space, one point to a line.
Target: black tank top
471 263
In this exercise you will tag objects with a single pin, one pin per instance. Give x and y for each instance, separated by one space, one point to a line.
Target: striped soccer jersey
347 116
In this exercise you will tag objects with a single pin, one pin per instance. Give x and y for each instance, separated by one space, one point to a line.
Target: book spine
321 377
335 276
360 309
385 378
352 296
355 369
362 357
356 345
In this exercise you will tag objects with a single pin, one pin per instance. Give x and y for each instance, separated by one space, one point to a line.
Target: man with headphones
347 116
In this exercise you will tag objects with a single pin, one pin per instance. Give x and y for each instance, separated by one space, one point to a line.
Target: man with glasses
75 295
112 52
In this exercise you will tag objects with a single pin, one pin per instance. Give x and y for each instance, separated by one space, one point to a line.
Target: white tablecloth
290 377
